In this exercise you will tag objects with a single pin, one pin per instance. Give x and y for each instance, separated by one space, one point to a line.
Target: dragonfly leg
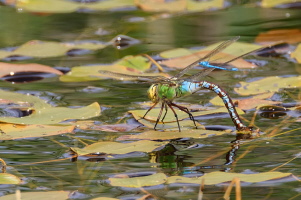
164 113
184 109
159 116
170 104
149 109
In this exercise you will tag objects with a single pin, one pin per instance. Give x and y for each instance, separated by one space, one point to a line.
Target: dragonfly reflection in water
165 90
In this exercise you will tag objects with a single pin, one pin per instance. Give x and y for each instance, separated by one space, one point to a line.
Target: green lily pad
269 84
44 113
6 178
214 178
51 195
119 148
138 182
168 135
13 131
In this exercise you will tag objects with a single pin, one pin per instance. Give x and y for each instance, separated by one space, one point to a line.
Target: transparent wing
215 51
205 72
140 78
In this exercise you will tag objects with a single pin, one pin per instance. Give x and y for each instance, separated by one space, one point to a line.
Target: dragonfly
165 90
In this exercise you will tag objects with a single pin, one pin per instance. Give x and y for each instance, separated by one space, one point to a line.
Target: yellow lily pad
138 182
43 113
269 84
204 5
214 178
168 135
273 3
44 49
6 178
119 148
153 114
51 195
297 53
47 6
14 131
162 6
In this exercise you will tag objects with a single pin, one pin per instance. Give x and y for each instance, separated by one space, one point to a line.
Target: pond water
45 163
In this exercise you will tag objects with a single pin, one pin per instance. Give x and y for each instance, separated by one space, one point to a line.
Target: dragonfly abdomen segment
227 101
208 65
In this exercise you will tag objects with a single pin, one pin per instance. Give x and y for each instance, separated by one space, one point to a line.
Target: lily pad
162 6
51 195
119 148
168 135
290 36
138 182
214 178
43 113
6 178
297 53
44 49
11 69
13 131
274 3
204 5
269 84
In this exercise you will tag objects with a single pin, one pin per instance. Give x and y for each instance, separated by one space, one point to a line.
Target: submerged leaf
138 182
6 178
119 148
269 84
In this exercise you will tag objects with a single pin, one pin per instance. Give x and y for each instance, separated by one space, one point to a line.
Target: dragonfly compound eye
152 93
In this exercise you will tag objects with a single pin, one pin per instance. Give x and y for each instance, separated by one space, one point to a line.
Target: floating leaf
14 131
11 69
204 5
119 148
43 49
171 126
59 6
269 84
297 53
6 178
229 53
168 135
138 182
214 178
283 35
51 195
44 113
246 104
153 114
104 198
274 3
159 5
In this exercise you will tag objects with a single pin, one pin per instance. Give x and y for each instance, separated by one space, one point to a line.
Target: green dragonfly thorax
166 91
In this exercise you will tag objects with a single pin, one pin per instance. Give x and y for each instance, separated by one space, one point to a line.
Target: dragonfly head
152 93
